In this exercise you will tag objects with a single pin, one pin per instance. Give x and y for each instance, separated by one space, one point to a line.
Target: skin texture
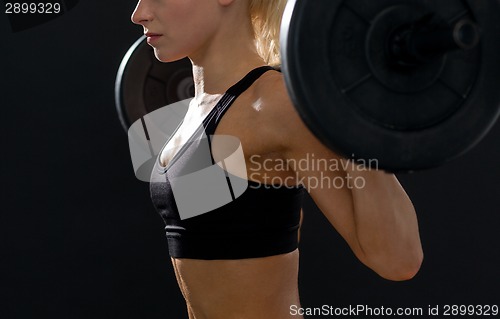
377 221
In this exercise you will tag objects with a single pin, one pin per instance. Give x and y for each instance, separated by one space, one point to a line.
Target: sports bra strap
248 80
212 120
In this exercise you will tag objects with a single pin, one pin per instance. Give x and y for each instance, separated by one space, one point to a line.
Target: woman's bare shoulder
272 95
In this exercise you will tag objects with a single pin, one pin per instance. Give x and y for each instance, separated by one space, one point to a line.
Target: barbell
405 84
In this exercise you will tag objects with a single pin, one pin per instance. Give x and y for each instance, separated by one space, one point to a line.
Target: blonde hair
266 20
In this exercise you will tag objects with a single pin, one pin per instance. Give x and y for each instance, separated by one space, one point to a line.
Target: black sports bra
262 221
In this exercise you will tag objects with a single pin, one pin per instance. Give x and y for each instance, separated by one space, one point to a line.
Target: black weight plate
144 84
355 113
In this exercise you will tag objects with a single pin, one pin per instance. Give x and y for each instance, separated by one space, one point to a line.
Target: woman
241 260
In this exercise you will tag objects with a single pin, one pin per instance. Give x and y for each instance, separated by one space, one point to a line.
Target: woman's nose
142 13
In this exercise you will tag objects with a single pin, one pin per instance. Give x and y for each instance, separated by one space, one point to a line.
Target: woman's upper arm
323 176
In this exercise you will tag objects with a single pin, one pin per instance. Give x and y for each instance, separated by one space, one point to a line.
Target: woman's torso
263 287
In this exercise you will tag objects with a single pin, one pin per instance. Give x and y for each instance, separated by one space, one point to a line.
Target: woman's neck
216 78
226 58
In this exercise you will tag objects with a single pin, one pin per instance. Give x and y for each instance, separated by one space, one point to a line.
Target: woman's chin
165 57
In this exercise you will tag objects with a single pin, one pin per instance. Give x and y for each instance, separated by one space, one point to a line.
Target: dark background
80 239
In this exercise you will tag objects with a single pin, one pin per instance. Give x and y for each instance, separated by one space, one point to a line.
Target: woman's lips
152 37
